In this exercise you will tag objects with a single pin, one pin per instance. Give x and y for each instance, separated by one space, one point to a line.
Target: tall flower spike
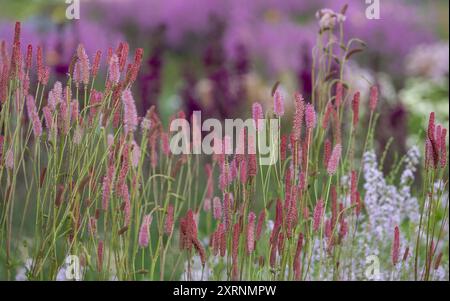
217 208
373 98
310 116
326 152
34 117
297 257
96 64
443 154
40 64
251 232
29 57
431 126
298 116
335 157
326 117
355 108
318 213
100 256
85 65
257 112
278 103
259 226
144 232
396 246
130 113
113 70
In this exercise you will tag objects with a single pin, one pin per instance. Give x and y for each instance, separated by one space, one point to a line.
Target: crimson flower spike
355 108
297 258
373 98
396 246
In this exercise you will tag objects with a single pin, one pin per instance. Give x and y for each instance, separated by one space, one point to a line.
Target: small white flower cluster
429 60
328 18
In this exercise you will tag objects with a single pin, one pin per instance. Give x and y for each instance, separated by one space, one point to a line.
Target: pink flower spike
310 116
217 208
100 256
298 116
278 103
443 154
373 99
85 66
257 112
259 226
355 108
318 213
34 117
144 232
130 113
251 232
113 70
335 157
